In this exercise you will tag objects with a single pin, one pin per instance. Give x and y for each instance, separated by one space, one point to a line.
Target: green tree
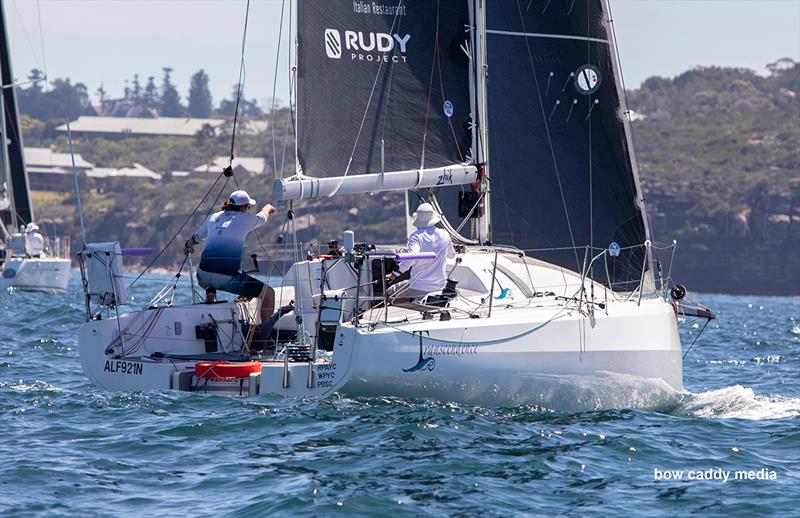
102 94
31 99
150 99
170 100
200 96
204 136
64 100
136 91
247 108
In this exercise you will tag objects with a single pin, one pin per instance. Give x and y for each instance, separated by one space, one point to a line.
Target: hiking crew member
225 233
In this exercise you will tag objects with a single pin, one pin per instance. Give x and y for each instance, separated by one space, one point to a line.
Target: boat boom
306 187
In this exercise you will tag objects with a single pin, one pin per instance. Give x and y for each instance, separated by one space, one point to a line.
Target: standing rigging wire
290 115
228 172
591 185
629 131
239 87
41 43
10 80
441 86
437 60
549 138
289 124
430 91
185 222
275 88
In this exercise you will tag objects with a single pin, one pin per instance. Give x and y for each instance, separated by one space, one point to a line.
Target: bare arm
267 210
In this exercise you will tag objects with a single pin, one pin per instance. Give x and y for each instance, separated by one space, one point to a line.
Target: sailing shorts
240 284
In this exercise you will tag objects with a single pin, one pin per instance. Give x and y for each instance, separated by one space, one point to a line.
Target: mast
4 176
484 226
21 209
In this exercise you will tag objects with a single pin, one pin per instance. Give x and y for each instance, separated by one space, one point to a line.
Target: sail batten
543 35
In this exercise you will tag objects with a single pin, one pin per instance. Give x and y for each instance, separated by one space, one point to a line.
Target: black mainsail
381 86
12 155
397 86
562 174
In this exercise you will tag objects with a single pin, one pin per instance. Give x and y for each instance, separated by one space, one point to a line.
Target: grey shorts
240 284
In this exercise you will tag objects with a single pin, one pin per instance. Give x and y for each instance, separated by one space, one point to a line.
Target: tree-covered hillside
717 148
720 160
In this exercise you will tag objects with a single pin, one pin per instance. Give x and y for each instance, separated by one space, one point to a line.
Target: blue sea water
69 448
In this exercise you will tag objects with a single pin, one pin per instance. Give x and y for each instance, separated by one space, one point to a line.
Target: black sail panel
392 71
561 169
12 133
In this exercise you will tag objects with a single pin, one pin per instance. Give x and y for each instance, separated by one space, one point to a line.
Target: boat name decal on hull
123 367
451 349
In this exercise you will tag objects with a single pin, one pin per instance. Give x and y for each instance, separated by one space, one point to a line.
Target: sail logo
587 79
366 46
333 44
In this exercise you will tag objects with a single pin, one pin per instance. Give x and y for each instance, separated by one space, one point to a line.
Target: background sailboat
21 266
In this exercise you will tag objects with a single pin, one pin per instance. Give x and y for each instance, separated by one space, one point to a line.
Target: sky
107 41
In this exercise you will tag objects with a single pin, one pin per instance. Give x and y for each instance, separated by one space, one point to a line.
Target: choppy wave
70 448
738 402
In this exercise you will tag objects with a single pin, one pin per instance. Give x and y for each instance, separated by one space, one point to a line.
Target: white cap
240 198
425 216
31 227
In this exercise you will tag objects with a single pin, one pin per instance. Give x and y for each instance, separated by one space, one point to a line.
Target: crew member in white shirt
426 276
34 242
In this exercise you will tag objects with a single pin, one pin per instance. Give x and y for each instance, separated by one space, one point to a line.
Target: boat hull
46 274
558 360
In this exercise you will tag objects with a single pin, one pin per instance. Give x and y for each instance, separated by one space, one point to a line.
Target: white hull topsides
44 274
548 348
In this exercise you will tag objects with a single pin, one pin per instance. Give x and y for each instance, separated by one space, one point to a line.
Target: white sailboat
28 261
418 98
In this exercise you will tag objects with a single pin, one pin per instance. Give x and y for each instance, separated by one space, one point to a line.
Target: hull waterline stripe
543 35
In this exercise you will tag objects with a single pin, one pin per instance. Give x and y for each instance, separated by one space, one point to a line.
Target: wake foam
738 402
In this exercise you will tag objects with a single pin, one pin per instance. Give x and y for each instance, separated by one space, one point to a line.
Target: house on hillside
52 171
125 127
240 165
148 126
104 176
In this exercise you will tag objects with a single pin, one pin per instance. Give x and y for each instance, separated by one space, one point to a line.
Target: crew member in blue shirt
225 233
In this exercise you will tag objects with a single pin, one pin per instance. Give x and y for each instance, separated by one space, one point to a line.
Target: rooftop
253 165
163 126
41 158
148 126
136 171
